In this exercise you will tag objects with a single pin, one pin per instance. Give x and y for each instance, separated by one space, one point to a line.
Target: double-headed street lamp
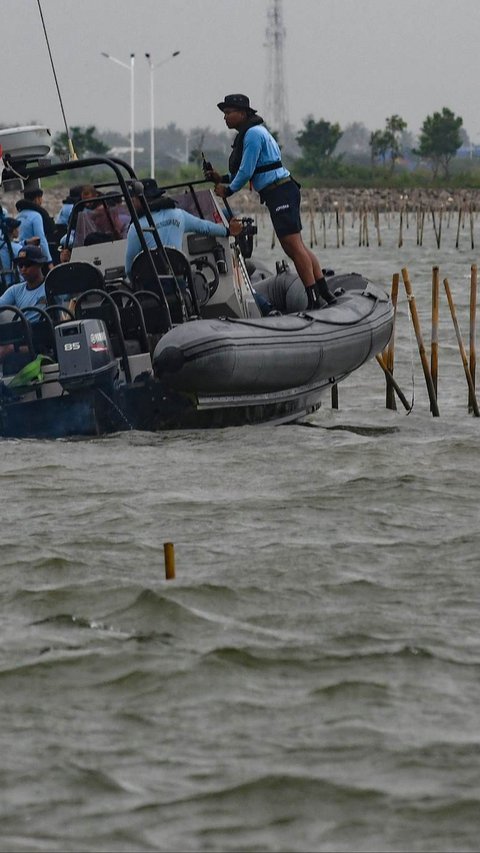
152 65
130 67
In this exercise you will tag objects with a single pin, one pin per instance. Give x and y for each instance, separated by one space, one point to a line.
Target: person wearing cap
65 211
256 157
9 249
31 290
35 221
170 221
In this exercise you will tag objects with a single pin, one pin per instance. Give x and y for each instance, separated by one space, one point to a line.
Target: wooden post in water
169 554
438 234
472 243
389 357
377 225
422 224
421 348
394 383
335 396
400 232
434 344
461 347
365 228
343 227
473 313
458 226
337 225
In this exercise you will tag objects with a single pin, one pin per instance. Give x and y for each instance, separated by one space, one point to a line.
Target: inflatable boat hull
276 354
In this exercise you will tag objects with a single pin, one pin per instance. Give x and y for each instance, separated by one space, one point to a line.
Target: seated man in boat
171 223
256 157
30 290
36 222
9 249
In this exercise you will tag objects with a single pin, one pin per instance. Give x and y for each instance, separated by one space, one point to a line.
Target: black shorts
283 203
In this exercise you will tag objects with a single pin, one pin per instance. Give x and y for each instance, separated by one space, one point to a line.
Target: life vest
237 150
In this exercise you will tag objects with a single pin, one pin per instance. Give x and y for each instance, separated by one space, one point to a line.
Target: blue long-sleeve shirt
6 261
171 225
21 296
32 226
259 148
63 214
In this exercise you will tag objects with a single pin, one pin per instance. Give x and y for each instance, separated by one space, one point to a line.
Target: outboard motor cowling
85 355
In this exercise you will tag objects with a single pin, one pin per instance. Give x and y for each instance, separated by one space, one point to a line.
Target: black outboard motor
85 356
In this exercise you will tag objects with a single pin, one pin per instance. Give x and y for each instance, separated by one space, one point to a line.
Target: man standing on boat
256 157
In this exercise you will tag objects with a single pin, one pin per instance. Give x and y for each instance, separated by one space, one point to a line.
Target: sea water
310 679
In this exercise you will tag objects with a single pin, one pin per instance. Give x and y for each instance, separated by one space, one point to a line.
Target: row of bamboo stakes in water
430 369
366 216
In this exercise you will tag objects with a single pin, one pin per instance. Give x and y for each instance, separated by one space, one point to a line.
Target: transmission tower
275 99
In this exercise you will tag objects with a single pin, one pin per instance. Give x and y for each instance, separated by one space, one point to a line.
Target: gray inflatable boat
285 355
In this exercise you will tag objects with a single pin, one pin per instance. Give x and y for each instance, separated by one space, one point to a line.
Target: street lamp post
130 67
152 65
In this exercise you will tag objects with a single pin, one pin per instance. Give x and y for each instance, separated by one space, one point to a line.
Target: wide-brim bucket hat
237 102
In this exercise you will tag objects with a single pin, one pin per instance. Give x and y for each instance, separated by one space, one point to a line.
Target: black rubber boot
322 289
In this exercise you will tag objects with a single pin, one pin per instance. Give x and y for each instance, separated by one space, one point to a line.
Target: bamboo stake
169 556
458 227
471 227
400 233
389 356
473 312
461 347
434 344
365 228
421 348
335 396
377 225
440 227
422 226
394 383
438 234
343 227
337 226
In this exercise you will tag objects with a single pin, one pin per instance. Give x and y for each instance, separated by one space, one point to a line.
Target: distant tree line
320 152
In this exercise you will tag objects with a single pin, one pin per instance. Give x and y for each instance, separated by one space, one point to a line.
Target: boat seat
124 320
174 276
16 330
67 281
157 321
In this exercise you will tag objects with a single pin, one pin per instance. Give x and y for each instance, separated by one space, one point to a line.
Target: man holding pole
256 158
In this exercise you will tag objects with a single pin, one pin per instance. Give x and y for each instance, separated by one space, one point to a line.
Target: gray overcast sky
345 60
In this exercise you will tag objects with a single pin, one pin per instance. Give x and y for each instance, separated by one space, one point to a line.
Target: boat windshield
101 221
206 208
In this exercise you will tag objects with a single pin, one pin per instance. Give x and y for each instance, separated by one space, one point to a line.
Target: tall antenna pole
276 107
